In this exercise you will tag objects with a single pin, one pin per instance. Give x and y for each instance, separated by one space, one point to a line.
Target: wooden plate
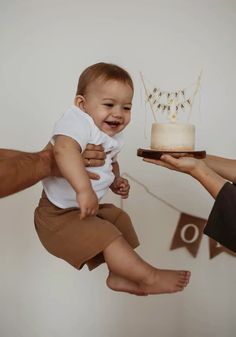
154 154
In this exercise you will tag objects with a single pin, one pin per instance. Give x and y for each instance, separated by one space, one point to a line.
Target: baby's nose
118 113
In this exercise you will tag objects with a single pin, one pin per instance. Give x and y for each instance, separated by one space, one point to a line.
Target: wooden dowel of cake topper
154 116
194 94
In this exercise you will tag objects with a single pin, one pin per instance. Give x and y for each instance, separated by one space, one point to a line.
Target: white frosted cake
172 137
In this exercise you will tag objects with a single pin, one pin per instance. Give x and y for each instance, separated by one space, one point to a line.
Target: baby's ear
79 102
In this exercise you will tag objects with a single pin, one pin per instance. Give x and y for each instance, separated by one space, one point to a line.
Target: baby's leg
130 273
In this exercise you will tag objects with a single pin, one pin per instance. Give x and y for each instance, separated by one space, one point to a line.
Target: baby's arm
70 162
120 185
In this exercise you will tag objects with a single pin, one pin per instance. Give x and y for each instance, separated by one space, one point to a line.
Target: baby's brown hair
104 71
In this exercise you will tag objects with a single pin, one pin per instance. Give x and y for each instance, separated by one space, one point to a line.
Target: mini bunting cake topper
170 102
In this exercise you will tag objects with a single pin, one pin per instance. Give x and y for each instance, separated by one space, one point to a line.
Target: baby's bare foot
119 283
164 281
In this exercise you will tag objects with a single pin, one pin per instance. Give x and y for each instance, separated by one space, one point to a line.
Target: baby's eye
108 104
127 108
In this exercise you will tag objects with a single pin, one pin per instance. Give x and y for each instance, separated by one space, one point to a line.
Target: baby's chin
111 131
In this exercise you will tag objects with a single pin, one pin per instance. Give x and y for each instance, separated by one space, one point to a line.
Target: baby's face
109 104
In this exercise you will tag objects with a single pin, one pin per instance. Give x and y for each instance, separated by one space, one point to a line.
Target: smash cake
171 131
172 137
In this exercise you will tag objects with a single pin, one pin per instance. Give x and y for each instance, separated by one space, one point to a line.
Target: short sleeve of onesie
75 124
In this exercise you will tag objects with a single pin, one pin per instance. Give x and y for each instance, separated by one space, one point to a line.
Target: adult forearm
226 168
23 170
7 153
209 179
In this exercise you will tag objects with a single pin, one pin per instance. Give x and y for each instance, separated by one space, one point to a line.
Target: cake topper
170 102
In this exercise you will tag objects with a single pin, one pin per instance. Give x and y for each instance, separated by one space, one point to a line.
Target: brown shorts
77 241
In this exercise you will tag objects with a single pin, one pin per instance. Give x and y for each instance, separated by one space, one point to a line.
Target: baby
71 222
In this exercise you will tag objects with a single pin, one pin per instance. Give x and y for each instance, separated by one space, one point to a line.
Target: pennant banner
215 249
188 233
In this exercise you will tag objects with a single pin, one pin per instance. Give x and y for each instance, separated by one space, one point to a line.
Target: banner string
149 192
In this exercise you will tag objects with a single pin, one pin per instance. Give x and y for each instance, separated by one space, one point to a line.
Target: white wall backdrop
44 47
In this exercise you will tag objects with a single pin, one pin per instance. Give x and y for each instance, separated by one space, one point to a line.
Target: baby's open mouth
113 123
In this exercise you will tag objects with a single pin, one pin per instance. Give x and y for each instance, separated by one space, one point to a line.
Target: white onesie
81 127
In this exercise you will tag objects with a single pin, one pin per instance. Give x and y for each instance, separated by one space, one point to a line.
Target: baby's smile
113 123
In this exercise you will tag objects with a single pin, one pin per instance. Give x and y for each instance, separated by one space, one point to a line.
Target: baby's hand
121 186
88 203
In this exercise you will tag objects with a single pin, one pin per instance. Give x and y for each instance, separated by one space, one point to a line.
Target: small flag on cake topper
171 102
